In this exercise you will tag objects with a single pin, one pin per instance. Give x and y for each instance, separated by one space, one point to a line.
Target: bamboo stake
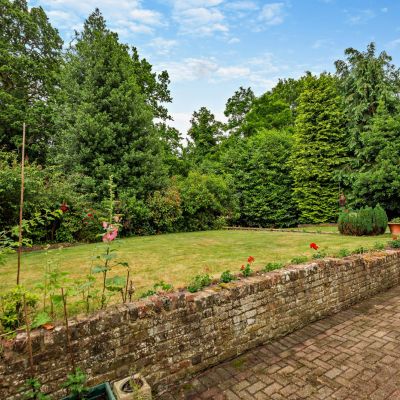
21 205
68 339
29 341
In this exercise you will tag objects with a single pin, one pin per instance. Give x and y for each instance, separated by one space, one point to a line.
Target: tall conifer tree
105 126
319 150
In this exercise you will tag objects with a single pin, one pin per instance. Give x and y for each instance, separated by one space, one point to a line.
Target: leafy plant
33 390
108 257
158 287
11 306
319 254
273 266
379 246
198 283
360 250
246 269
395 220
299 259
227 277
395 244
344 252
76 384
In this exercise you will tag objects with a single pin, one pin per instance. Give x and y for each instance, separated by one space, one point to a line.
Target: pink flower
110 235
105 224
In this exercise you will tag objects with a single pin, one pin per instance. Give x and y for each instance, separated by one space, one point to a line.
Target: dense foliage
98 109
366 221
259 167
319 150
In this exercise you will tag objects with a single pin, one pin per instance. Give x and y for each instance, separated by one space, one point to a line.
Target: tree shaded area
97 109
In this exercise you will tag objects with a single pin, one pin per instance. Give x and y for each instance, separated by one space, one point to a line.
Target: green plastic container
99 392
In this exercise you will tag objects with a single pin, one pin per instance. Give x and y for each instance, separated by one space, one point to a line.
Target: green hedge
366 221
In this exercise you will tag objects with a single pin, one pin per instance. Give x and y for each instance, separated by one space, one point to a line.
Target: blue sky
211 47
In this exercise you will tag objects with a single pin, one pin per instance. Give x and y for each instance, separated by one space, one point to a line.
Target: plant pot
99 392
394 228
123 389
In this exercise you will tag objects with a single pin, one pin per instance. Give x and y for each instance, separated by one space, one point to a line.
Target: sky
212 47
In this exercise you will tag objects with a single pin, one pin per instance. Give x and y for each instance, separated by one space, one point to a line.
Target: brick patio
352 355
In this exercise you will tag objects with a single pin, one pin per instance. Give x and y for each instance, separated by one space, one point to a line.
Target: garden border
171 337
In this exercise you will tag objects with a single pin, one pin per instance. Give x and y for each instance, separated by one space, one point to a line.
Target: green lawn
176 258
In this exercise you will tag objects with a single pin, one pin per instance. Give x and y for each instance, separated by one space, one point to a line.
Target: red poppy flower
242 267
250 259
64 207
313 246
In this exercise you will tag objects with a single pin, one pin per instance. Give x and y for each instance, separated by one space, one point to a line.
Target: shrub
165 209
227 277
12 307
199 282
158 287
366 221
204 200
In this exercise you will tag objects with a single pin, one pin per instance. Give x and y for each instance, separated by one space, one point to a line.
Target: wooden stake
68 339
29 341
21 204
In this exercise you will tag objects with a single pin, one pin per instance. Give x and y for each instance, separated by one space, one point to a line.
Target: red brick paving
352 355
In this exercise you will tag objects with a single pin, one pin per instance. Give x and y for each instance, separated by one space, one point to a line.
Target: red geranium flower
242 267
250 259
313 246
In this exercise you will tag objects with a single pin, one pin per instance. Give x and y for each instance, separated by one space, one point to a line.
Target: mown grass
176 258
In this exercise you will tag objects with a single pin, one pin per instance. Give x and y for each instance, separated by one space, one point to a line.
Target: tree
153 86
268 112
262 179
30 59
319 150
377 180
365 79
105 126
205 132
237 107
172 150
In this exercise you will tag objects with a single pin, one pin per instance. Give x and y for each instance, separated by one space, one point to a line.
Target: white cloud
262 72
245 5
201 18
272 14
126 16
384 9
163 46
234 40
148 17
360 17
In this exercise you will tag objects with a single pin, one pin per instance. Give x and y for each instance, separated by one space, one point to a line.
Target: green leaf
40 319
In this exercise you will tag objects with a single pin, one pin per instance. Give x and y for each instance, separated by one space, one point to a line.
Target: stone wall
172 337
